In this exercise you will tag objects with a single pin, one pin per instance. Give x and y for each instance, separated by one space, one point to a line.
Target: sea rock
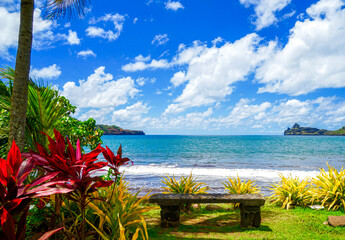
213 207
336 221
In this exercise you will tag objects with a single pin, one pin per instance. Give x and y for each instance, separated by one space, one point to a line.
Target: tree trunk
21 79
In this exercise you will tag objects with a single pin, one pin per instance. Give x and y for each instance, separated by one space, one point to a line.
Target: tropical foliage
16 193
120 216
235 185
47 110
184 185
329 188
290 191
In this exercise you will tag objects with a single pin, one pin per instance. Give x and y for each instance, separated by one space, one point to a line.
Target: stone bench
170 206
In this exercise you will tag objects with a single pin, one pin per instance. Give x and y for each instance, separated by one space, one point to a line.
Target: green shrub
290 191
329 188
185 185
120 216
235 185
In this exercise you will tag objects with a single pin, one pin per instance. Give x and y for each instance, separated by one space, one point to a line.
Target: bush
291 192
329 188
119 217
185 185
235 185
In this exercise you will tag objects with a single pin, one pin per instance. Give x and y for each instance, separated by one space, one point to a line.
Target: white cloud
212 72
178 78
67 25
160 39
131 115
172 5
51 72
314 56
265 11
9 28
118 21
72 38
86 53
326 111
135 20
141 58
141 81
248 117
100 90
139 66
43 36
217 40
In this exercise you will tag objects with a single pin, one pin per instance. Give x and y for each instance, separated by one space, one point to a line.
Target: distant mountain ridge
115 130
298 130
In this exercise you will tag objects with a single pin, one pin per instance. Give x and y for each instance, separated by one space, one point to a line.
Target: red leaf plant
72 168
115 161
15 196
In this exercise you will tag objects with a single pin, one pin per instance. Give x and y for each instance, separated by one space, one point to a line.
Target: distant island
115 130
298 130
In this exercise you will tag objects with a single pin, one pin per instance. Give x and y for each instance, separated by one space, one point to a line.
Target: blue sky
193 67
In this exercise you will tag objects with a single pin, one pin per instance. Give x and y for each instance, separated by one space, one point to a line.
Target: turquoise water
212 158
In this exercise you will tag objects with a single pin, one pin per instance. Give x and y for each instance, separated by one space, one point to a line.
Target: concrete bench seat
170 206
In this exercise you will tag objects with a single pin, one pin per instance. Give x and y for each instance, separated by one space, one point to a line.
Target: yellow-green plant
235 185
329 188
291 191
119 216
184 185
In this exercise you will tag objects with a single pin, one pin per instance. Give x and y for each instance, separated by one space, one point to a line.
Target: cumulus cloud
314 56
100 90
51 72
265 11
212 72
43 35
130 115
72 38
142 65
173 5
111 35
160 39
9 31
178 78
248 116
86 53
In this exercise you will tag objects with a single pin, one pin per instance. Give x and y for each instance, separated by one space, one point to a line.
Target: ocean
211 159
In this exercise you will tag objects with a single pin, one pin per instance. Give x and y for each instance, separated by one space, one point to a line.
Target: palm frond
54 9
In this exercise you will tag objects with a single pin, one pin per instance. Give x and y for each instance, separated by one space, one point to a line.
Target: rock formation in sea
298 130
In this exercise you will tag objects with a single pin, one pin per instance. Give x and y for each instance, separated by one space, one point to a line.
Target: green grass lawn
277 223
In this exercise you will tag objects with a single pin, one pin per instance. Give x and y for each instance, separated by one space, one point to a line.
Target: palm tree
53 9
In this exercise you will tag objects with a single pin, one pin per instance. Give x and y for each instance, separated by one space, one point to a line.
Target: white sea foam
256 174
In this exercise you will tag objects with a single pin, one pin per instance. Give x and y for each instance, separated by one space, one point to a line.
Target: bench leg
250 216
170 216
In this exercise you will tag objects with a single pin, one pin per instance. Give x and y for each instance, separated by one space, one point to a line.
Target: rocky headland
298 130
115 130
